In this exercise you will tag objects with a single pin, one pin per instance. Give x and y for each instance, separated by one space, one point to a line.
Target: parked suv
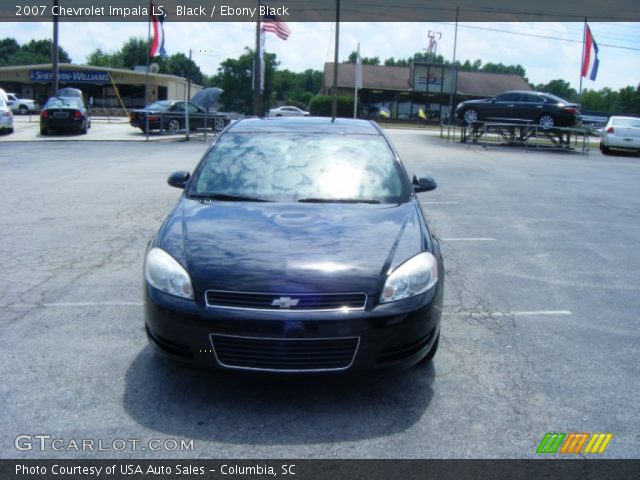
21 105
519 107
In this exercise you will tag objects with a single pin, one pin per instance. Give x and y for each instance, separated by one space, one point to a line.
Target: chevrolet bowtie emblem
285 302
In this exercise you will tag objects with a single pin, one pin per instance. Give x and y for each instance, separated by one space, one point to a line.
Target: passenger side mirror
179 179
424 184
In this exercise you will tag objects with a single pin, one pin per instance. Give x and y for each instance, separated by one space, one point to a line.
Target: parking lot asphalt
27 129
539 334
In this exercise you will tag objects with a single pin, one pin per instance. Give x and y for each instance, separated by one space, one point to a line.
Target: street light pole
54 53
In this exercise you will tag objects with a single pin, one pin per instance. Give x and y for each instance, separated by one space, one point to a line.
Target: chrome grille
286 301
285 355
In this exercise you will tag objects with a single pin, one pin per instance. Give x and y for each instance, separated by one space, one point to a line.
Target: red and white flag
157 23
271 23
590 60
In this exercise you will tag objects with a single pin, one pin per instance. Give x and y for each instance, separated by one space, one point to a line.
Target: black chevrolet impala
298 245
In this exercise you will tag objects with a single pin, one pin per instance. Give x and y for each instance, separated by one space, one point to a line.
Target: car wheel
432 352
605 150
83 130
43 131
173 126
10 130
23 109
218 124
546 121
470 116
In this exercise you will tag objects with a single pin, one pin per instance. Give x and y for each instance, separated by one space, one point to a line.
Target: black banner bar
322 11
320 469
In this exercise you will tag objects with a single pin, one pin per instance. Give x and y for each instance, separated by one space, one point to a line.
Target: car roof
306 125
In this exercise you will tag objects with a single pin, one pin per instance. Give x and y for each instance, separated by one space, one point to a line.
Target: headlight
413 277
164 273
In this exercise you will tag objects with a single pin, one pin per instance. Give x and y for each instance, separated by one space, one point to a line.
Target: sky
312 44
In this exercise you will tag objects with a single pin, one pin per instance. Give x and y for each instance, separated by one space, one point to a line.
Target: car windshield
306 167
64 102
626 122
162 105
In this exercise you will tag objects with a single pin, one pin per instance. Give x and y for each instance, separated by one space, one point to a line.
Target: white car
6 117
622 133
22 105
287 112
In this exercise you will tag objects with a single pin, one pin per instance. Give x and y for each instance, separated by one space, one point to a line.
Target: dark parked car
298 245
169 115
64 113
531 107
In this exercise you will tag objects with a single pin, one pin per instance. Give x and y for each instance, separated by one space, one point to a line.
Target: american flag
271 23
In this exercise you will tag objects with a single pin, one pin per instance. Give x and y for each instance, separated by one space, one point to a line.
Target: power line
539 36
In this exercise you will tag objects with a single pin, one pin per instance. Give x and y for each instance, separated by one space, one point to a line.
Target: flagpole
146 77
454 70
584 43
357 78
257 75
334 100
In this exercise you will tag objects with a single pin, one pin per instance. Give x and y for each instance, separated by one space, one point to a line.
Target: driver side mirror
424 184
179 179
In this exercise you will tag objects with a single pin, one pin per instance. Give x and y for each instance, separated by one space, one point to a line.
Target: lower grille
285 355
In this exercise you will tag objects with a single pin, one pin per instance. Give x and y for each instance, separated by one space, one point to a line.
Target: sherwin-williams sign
75 76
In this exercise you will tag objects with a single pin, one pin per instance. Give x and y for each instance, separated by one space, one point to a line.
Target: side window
192 108
507 97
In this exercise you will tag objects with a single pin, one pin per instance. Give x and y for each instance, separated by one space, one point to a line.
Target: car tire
470 115
10 130
43 131
173 126
84 129
218 124
605 150
23 110
546 121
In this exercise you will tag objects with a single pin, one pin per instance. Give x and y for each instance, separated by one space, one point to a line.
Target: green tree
8 48
235 77
179 64
100 58
33 52
559 87
353 57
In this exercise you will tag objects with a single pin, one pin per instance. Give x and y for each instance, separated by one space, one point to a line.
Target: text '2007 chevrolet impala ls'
298 245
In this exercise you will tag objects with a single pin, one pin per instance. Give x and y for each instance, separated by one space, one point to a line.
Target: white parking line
469 239
516 313
93 304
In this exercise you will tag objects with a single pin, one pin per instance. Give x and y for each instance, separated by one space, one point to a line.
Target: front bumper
395 335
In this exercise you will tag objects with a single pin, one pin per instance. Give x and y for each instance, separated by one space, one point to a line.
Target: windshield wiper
339 200
226 197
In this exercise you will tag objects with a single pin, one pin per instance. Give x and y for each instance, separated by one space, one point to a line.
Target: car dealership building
110 88
427 86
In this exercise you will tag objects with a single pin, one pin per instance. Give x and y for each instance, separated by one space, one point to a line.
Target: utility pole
334 100
186 105
54 53
257 74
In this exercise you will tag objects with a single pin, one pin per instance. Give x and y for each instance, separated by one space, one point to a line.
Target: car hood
286 248
466 103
